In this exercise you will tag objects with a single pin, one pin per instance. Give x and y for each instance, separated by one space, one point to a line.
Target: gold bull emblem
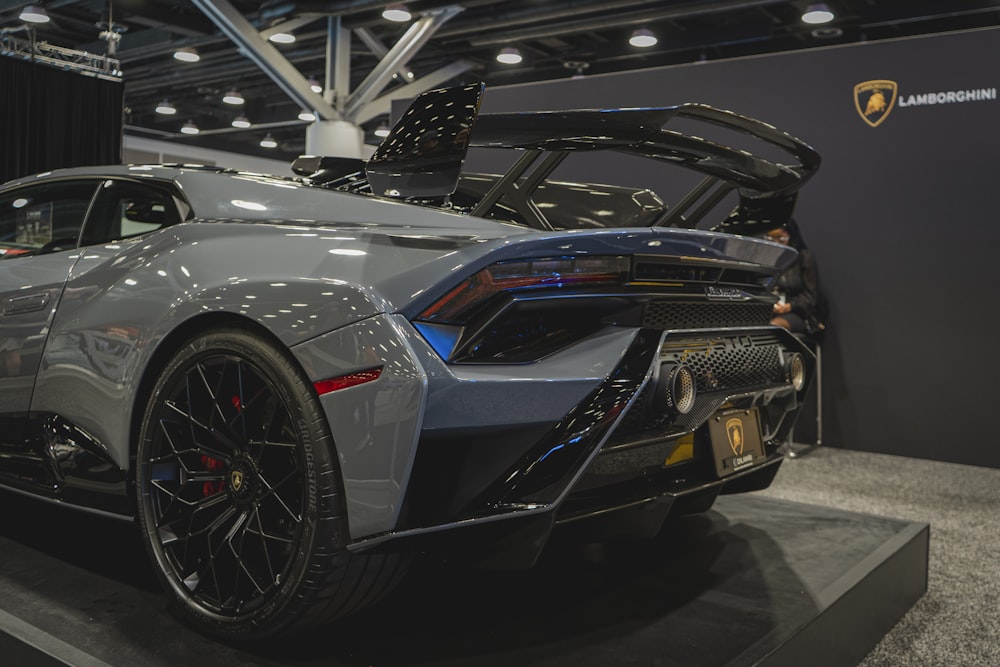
875 100
734 429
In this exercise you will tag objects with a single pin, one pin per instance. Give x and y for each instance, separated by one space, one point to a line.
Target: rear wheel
239 496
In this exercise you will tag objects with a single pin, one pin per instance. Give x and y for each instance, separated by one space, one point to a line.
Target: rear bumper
515 540
530 479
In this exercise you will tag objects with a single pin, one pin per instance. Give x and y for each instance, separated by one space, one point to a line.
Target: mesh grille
728 363
725 363
702 315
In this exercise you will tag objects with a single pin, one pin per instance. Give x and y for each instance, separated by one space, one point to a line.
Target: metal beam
383 104
407 46
289 25
337 86
266 57
380 50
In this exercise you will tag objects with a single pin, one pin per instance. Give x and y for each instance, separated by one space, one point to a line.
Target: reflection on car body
296 384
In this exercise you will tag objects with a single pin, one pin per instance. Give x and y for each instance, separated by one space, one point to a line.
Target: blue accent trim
441 338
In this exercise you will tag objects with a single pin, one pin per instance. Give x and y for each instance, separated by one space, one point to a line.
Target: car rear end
599 380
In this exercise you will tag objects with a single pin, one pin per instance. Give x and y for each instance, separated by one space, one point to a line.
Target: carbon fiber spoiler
423 155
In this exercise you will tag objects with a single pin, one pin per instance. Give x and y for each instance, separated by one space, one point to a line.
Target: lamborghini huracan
293 385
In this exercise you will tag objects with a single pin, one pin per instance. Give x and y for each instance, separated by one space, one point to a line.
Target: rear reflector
345 381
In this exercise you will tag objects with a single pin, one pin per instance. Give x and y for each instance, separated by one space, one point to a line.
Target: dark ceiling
559 38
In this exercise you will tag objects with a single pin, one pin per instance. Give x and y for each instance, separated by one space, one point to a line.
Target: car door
39 230
88 352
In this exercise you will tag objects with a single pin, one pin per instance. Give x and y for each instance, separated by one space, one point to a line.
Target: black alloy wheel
239 497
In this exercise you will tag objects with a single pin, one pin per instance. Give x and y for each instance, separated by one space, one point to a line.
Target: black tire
239 497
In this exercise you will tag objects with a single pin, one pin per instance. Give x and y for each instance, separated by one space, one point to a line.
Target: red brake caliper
211 488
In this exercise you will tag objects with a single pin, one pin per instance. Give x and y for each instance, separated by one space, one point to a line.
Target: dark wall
51 118
902 218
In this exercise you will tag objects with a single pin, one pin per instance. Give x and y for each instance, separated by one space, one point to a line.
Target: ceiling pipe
568 8
622 19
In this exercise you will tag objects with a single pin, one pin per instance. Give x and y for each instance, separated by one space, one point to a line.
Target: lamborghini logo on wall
874 100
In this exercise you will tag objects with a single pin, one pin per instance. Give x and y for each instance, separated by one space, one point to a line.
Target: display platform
755 581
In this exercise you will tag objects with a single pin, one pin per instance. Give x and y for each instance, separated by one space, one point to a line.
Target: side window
43 218
125 208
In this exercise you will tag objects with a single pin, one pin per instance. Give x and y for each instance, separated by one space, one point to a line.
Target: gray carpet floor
957 622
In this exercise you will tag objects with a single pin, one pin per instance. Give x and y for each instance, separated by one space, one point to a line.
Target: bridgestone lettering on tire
239 496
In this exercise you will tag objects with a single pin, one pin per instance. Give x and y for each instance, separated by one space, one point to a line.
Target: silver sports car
295 384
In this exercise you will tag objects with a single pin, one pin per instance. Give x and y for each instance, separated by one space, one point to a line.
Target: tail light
462 302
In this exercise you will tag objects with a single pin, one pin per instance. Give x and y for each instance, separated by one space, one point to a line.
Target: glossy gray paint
375 425
29 296
318 282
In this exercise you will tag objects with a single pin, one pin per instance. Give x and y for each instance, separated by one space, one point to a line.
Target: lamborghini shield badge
734 429
874 100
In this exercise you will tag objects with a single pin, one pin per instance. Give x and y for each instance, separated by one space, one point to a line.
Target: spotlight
268 142
817 13
241 122
396 12
233 97
34 14
282 38
509 56
382 130
642 38
187 55
190 128
307 116
166 108
314 84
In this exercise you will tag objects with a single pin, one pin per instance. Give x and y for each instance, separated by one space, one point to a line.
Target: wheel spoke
212 395
195 445
272 491
238 553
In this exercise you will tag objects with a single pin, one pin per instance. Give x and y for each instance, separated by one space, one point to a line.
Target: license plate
736 441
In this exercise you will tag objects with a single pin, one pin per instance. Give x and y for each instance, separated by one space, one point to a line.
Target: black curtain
51 118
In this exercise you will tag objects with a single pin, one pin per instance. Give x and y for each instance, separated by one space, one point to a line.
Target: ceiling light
403 72
817 13
166 108
642 38
190 128
396 12
509 56
241 122
233 97
282 38
307 116
34 14
382 130
314 84
187 55
268 142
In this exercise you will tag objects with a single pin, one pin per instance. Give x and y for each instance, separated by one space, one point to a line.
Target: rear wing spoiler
423 155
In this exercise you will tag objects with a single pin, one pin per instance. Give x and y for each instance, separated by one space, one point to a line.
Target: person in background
798 287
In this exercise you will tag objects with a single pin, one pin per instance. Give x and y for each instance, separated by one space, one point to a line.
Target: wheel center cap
243 479
236 479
